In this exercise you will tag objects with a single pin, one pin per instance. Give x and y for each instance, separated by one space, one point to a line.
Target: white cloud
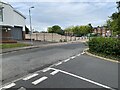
66 13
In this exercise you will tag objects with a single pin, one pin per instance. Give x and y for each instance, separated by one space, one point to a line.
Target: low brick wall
51 37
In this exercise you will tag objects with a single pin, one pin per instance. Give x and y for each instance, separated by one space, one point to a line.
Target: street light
30 24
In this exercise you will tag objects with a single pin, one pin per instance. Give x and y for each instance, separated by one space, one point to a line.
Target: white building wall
11 17
7 15
19 20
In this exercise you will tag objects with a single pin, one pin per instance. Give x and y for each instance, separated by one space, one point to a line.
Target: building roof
13 9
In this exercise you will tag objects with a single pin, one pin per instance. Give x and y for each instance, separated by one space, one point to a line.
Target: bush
106 46
60 40
64 40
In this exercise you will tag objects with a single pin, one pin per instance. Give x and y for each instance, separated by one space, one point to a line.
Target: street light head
32 7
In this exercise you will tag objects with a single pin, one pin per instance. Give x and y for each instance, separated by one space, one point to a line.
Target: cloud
66 13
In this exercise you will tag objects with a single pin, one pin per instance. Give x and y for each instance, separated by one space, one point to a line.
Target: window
1 14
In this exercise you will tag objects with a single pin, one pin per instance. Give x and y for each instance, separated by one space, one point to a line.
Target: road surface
76 70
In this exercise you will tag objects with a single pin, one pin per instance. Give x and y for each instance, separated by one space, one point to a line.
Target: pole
30 27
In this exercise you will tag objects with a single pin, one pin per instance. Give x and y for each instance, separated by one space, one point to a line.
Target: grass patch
105 56
15 45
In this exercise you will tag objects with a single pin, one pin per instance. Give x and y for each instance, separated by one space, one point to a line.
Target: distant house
103 31
12 23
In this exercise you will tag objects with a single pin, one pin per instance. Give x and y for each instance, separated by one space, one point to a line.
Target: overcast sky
65 12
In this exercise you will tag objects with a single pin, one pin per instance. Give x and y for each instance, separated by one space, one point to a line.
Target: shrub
106 46
60 40
64 40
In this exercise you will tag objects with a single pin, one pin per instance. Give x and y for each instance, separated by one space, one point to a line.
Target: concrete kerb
111 60
37 46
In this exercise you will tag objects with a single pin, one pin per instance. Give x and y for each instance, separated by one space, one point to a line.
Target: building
102 31
12 23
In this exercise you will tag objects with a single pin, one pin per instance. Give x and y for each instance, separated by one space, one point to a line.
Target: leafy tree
80 30
55 29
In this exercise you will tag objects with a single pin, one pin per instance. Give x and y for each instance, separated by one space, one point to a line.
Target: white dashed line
39 80
73 57
66 60
78 54
46 69
9 86
83 53
58 63
54 72
31 76
85 79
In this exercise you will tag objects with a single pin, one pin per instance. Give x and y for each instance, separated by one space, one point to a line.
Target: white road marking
9 86
22 88
73 57
78 54
85 79
66 60
83 53
54 72
39 80
31 76
58 63
46 69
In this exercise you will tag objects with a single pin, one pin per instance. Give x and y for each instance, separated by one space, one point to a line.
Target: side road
39 45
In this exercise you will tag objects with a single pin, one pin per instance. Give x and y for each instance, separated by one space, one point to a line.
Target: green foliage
64 40
79 30
55 29
114 22
106 46
60 40
5 46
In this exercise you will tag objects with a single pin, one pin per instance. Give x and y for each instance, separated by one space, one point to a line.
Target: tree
49 29
114 22
55 29
26 30
80 30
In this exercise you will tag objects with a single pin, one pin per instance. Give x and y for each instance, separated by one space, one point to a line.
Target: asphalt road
19 63
77 70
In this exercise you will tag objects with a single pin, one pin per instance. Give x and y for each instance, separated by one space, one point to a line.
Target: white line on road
85 79
66 60
9 86
46 69
83 53
78 54
73 57
54 72
58 63
31 76
39 80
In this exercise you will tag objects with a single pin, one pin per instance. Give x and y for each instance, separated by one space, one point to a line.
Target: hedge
107 46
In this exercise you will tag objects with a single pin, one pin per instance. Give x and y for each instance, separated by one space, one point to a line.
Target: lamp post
30 24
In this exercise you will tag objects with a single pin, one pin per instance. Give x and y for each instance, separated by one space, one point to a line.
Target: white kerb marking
54 72
39 80
85 79
58 63
73 57
66 60
9 86
31 76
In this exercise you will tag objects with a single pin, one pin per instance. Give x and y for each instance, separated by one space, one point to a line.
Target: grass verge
15 45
